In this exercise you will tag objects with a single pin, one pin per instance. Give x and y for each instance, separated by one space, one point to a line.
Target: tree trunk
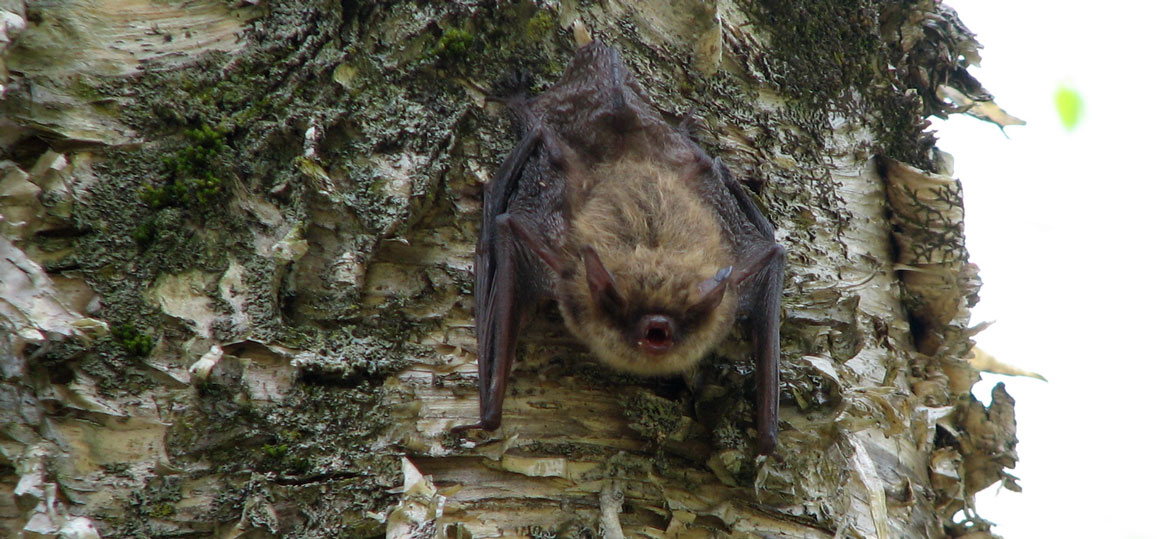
236 298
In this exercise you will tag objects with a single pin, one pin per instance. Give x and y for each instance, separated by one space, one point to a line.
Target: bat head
648 320
646 283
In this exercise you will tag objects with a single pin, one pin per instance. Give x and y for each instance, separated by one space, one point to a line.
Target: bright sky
1072 234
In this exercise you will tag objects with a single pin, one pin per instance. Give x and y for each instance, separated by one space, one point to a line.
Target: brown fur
649 245
659 240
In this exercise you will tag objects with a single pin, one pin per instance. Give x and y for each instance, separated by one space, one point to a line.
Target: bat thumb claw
485 424
473 426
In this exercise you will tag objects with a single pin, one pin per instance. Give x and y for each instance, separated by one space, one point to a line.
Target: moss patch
132 340
837 55
190 177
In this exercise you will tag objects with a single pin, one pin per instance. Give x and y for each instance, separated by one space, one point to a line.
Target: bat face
646 269
650 246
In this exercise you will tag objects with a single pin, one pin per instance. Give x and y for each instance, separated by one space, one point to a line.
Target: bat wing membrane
495 288
762 298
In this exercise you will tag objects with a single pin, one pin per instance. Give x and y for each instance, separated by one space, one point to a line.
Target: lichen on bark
245 236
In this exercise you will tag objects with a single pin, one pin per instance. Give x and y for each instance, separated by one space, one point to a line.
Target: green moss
191 179
162 510
275 451
540 26
452 46
254 111
484 45
144 234
278 457
291 435
132 340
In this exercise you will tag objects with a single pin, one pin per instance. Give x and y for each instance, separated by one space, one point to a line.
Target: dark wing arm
497 310
764 272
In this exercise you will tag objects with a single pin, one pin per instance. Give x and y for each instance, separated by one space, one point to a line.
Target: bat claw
464 428
483 424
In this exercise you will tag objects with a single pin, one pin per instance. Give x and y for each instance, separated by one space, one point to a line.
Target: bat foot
465 428
479 425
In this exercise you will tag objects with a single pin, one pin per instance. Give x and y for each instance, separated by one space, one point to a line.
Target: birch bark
236 299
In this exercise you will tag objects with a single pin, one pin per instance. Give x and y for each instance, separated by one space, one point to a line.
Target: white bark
283 348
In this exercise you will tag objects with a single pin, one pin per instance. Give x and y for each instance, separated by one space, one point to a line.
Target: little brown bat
650 247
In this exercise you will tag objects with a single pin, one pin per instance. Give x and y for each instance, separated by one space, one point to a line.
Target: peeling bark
236 266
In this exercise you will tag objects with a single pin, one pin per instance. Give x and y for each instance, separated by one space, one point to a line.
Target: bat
651 248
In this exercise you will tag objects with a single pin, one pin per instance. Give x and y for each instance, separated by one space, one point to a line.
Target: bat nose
656 333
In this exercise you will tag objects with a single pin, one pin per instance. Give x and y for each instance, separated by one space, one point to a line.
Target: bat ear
712 291
602 284
752 266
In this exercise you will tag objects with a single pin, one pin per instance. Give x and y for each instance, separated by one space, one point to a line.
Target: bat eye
656 333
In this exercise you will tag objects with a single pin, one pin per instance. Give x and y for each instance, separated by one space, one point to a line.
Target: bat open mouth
656 333
600 168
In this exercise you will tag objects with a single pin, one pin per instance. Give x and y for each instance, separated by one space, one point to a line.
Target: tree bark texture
236 276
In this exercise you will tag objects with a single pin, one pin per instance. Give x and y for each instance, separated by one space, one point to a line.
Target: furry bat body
651 248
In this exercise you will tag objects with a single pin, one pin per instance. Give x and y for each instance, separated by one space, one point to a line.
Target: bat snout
657 333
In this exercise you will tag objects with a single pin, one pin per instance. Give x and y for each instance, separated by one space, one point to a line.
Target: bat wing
763 266
523 195
495 267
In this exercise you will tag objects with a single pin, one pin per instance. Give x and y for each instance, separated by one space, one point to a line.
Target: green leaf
1069 105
